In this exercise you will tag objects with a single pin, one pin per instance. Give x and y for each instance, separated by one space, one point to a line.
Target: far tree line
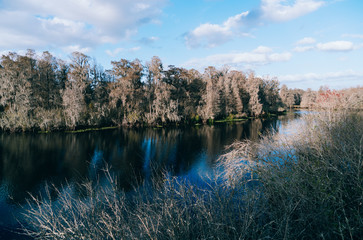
46 93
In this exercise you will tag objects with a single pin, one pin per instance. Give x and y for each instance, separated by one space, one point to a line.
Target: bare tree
211 97
75 94
308 99
126 92
253 88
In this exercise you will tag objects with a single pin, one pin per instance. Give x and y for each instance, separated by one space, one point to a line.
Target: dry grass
173 209
311 181
307 185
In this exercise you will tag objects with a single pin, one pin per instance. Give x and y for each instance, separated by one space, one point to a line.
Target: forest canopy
46 93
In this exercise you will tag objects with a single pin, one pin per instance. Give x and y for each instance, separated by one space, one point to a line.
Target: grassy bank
307 185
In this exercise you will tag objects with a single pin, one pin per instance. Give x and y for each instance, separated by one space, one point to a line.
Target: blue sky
303 43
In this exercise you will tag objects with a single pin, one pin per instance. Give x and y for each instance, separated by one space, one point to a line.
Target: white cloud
235 21
279 57
336 80
306 40
262 49
142 6
76 48
281 10
336 46
329 76
117 51
333 46
243 59
303 44
303 48
86 23
212 35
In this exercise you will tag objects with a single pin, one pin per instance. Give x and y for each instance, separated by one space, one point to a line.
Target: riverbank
199 122
304 185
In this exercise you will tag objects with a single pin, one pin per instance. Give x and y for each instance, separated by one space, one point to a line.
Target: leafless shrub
172 209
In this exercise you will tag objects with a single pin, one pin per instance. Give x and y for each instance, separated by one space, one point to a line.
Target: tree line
46 93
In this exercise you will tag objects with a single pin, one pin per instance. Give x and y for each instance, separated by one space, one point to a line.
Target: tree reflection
27 161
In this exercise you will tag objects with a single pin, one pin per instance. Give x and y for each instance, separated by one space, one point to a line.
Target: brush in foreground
307 185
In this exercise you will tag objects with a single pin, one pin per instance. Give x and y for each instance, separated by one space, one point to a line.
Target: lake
29 161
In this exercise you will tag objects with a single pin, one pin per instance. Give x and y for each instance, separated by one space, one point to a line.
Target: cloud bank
336 46
260 56
324 78
304 45
72 24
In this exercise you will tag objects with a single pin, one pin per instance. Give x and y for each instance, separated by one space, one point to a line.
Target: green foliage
195 119
230 117
91 129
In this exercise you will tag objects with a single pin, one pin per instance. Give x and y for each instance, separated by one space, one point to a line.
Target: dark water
28 161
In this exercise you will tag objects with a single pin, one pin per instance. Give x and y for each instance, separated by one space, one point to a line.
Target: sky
302 43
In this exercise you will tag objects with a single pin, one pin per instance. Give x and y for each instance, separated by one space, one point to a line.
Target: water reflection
27 161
